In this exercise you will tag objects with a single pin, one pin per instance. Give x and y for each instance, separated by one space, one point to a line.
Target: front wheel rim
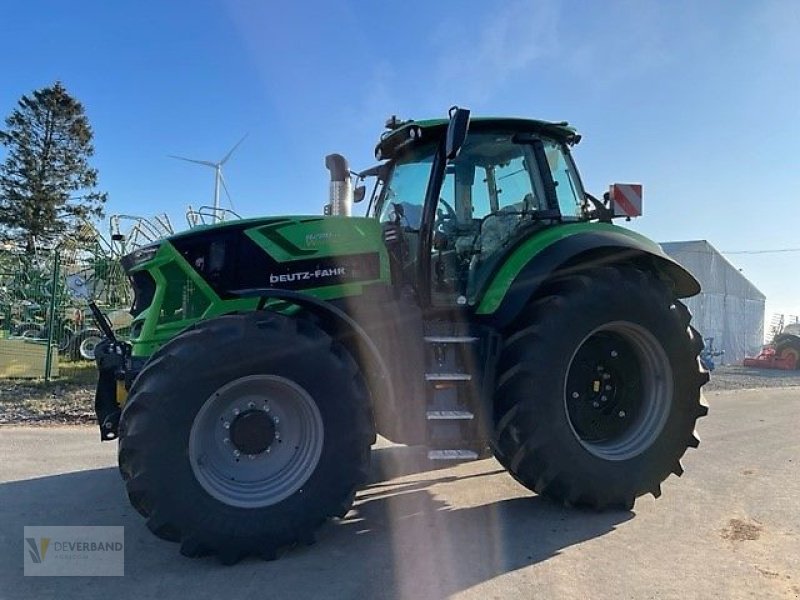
264 467
618 391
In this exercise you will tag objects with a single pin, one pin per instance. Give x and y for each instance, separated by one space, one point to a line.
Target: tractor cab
448 223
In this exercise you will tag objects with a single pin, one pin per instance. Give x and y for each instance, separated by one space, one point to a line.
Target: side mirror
456 131
359 193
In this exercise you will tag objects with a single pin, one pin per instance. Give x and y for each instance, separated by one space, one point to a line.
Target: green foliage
47 186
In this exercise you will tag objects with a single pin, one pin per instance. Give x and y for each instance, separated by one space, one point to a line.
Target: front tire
244 434
599 389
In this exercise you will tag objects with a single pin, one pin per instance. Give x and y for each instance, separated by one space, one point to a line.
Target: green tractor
485 305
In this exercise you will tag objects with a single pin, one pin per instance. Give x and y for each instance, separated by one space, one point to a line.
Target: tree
47 186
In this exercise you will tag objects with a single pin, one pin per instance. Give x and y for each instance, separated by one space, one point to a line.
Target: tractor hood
214 270
294 253
278 243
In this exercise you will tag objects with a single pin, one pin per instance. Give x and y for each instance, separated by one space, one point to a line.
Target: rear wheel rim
283 458
618 391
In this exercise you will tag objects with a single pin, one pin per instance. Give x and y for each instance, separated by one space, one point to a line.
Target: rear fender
509 292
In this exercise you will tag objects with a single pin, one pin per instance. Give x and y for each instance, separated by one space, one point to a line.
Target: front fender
567 249
344 328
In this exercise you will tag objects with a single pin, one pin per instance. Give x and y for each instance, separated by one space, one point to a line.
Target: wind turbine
219 180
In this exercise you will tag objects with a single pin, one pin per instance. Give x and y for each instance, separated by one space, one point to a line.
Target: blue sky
699 101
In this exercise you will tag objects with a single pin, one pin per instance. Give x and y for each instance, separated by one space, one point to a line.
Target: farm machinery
783 352
485 305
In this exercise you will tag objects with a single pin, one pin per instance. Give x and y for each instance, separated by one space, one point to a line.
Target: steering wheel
445 220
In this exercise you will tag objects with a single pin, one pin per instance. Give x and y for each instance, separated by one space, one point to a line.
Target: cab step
449 415
450 339
452 455
448 377
454 421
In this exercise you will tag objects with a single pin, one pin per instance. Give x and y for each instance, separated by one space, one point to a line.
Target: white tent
730 309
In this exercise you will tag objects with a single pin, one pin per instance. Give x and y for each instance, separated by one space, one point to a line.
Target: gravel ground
734 377
71 399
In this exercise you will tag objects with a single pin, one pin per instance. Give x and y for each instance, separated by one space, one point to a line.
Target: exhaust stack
340 200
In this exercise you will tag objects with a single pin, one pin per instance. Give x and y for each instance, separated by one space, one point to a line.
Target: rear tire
216 381
789 349
599 389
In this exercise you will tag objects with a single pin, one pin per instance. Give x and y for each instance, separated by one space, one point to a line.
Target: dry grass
69 398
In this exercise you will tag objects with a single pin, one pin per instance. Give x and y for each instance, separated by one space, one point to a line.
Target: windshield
406 187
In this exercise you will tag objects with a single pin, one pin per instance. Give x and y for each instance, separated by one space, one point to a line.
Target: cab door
489 193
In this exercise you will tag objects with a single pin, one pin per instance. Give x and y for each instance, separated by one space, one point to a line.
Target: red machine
784 351
769 359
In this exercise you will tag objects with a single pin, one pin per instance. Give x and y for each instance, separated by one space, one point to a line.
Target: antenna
219 180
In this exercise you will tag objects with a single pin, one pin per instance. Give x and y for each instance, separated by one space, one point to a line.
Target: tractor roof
419 131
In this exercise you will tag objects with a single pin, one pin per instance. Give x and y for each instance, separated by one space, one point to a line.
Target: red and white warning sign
626 199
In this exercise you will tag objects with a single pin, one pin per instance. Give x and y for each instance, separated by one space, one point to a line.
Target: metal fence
44 295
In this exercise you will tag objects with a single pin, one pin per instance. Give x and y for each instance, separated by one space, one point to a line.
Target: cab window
568 186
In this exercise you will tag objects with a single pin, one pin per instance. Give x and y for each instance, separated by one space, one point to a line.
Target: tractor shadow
414 532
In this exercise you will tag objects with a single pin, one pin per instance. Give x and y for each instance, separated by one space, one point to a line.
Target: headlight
142 255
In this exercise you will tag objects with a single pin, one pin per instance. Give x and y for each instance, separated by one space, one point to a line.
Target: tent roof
699 257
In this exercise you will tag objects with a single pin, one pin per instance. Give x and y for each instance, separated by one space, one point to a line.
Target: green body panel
527 251
155 332
285 239
293 238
